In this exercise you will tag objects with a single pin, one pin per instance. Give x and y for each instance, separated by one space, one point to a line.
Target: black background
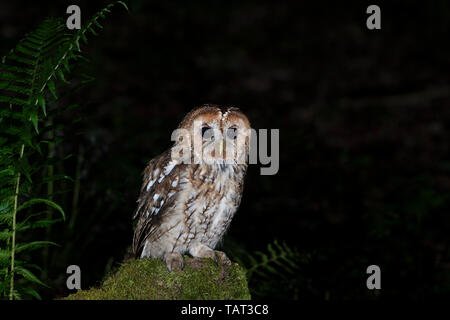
364 125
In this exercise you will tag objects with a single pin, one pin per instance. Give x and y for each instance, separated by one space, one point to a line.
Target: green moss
148 279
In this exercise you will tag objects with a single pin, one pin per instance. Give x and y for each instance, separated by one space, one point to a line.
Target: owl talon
212 255
174 261
202 251
223 259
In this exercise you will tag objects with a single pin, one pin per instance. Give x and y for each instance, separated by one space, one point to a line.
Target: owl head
214 135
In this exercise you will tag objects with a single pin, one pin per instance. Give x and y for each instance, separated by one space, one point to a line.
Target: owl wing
160 186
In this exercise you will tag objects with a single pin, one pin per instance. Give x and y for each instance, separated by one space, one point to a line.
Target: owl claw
223 259
210 254
219 257
202 251
174 261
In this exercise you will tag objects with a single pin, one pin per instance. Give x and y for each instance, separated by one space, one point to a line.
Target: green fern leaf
5 235
5 257
41 101
31 292
44 201
27 274
33 245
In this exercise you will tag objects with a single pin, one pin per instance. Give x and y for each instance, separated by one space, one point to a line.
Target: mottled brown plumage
188 198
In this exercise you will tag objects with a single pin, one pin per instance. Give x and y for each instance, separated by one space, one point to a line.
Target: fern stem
13 237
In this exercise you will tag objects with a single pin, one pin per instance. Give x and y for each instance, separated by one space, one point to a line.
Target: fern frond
279 260
32 76
41 59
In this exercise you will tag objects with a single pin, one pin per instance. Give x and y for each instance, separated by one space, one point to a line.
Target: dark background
364 125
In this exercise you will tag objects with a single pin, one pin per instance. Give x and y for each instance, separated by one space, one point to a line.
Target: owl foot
174 261
202 251
223 259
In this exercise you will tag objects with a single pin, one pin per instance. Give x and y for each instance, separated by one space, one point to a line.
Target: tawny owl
191 192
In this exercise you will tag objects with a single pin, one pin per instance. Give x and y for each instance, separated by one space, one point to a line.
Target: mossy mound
148 279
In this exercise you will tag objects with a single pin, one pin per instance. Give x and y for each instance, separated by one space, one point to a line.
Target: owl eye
232 133
206 132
